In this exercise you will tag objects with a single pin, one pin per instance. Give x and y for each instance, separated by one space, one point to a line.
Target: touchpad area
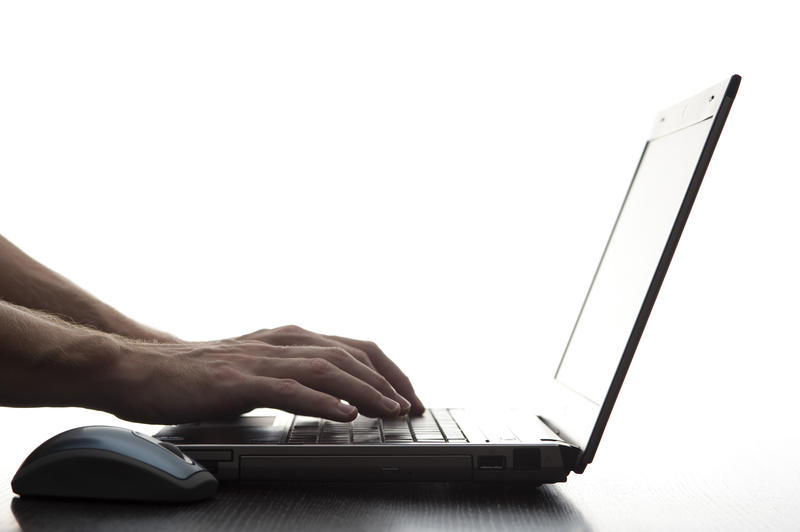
243 430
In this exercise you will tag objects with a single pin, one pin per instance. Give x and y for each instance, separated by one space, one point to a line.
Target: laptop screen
629 261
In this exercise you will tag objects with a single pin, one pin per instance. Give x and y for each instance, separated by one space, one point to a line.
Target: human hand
367 353
178 383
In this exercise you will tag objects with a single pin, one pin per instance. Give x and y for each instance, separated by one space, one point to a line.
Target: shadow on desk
330 506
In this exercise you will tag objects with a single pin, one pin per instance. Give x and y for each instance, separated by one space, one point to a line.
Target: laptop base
257 448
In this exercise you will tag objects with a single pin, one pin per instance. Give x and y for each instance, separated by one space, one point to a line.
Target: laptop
542 443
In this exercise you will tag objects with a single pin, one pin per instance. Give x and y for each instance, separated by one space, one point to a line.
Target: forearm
48 362
45 361
27 283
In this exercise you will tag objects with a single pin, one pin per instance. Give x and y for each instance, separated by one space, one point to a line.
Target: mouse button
142 448
176 451
172 448
147 438
165 445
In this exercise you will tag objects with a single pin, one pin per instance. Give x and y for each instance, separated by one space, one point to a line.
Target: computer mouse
112 463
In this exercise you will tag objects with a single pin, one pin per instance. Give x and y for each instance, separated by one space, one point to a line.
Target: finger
291 396
292 335
322 375
388 369
347 362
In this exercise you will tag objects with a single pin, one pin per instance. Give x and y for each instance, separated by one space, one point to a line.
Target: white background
439 177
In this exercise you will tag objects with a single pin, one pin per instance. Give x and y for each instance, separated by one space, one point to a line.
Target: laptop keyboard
434 426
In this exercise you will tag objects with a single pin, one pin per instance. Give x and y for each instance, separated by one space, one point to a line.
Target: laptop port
527 459
491 462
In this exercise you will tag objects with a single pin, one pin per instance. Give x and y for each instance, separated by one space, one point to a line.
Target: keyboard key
334 437
398 437
334 440
435 426
366 438
305 422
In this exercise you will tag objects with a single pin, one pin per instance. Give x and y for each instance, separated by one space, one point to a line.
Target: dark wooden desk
662 466
319 507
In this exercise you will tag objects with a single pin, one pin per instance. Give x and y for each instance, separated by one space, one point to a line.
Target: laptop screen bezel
573 416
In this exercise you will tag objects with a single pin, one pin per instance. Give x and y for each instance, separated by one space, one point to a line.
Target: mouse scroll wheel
174 450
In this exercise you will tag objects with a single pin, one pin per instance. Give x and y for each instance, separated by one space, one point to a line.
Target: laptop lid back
633 266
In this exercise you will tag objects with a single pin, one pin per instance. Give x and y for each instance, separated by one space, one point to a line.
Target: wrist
107 372
130 380
96 365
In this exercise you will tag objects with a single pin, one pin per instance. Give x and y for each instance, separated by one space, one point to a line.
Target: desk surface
746 478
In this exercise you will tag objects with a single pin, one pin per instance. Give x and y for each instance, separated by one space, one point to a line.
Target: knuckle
222 370
291 329
337 354
203 351
286 387
361 356
370 347
320 366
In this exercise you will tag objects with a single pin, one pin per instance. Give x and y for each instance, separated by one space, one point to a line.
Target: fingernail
347 410
390 404
404 403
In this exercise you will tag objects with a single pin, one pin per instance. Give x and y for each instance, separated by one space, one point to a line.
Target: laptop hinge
556 433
